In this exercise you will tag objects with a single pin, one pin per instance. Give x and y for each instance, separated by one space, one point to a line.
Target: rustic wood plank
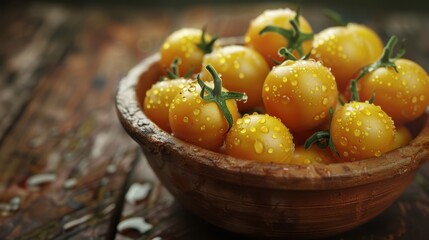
33 40
65 159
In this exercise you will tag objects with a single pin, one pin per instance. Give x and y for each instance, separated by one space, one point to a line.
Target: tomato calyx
173 71
322 139
386 60
294 36
206 47
218 96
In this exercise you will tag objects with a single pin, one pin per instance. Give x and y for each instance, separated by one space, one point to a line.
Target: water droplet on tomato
258 146
285 99
343 141
264 129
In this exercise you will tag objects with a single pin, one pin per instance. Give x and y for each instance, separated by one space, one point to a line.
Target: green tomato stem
386 60
322 139
218 96
295 37
173 72
206 47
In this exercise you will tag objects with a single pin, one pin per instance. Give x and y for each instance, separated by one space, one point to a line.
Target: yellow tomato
268 44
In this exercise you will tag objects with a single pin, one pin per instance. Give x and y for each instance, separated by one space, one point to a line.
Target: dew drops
241 75
203 127
294 82
258 146
377 153
325 101
267 89
354 149
270 150
262 120
285 99
196 112
357 132
237 141
324 88
414 99
252 129
264 129
185 119
274 88
208 119
422 97
343 141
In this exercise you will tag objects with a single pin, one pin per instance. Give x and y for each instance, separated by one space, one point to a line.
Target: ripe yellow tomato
184 44
260 137
403 95
268 44
311 155
402 137
361 130
242 69
300 93
197 121
345 50
158 98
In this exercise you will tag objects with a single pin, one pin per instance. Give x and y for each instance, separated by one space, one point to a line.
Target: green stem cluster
386 60
218 96
294 36
173 71
204 45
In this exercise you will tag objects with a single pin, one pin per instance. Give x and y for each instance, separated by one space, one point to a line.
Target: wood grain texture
64 158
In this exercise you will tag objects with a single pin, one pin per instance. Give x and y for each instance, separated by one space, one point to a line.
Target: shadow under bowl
267 199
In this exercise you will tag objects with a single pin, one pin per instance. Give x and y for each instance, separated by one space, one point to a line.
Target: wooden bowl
262 199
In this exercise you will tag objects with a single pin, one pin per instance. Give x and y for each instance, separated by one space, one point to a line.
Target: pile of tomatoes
288 95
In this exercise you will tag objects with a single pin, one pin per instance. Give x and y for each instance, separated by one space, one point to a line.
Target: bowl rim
259 174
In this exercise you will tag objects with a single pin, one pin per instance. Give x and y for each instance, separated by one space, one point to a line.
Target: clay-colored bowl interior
266 199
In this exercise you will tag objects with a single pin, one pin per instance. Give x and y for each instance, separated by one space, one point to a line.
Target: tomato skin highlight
268 44
403 95
300 93
242 69
182 44
157 100
361 130
196 121
345 50
260 137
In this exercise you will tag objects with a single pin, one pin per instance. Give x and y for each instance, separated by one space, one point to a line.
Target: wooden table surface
67 168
